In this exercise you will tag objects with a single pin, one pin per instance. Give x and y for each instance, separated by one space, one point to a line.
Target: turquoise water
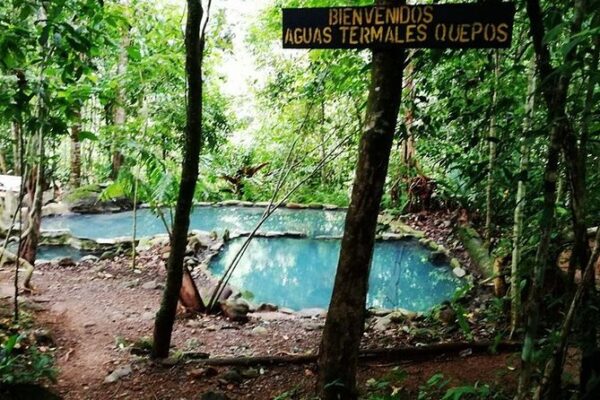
51 252
94 226
299 273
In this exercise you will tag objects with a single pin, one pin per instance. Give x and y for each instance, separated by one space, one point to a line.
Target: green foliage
21 362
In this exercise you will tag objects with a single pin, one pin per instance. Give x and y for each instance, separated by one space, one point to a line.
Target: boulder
87 200
234 310
213 396
118 373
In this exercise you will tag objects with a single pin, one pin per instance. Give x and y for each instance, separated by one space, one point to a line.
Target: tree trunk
17 140
344 327
165 317
515 275
492 143
3 166
35 189
551 382
75 173
554 85
119 112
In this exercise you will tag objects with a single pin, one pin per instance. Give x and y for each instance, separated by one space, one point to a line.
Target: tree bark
165 317
492 144
344 327
554 86
119 112
75 173
515 275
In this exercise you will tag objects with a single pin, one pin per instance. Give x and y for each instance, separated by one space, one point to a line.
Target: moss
82 193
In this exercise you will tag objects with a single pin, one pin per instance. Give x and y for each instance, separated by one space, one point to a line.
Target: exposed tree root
366 355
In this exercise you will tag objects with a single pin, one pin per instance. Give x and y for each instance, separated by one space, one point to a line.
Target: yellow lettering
453 33
502 33
427 14
369 16
364 35
289 38
389 35
347 16
476 30
404 14
333 16
354 35
410 33
416 14
376 33
327 37
489 32
421 32
356 17
464 29
344 30
379 16
298 37
440 32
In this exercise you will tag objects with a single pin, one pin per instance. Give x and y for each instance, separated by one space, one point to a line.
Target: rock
454 263
107 255
89 258
118 373
401 315
169 361
311 313
232 376
244 302
438 257
459 272
382 323
267 307
380 312
260 330
86 200
43 337
147 316
207 372
213 396
194 323
315 206
447 314
250 373
295 206
314 326
235 311
151 285
66 262
131 284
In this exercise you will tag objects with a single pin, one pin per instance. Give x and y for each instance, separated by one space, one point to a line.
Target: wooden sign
481 25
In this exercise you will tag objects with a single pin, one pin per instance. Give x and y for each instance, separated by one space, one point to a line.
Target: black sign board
481 25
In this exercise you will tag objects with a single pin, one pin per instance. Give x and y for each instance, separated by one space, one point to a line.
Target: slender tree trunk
516 276
194 43
554 85
551 382
120 114
3 166
16 149
492 144
75 173
134 227
344 327
588 323
36 191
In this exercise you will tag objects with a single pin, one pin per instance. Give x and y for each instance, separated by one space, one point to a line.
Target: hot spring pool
299 273
293 273
241 219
